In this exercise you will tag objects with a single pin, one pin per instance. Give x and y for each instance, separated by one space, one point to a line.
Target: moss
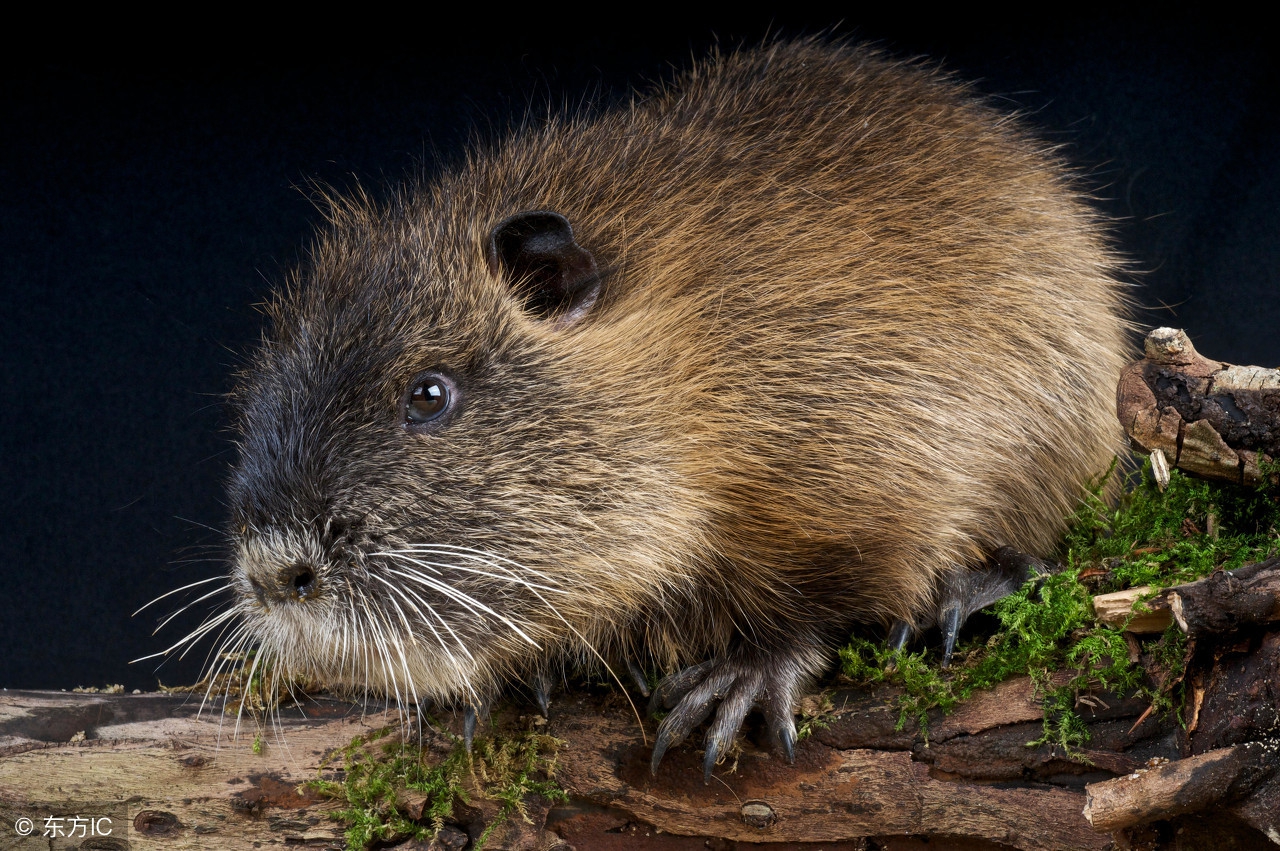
1150 538
1166 538
816 713
379 776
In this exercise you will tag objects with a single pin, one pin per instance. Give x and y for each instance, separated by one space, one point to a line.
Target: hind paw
729 688
964 592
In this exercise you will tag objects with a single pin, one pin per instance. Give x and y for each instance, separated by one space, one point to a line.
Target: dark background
148 201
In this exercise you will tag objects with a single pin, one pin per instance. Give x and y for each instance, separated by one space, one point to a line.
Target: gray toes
950 621
786 738
469 716
900 634
715 747
781 724
730 689
963 591
673 688
729 717
692 710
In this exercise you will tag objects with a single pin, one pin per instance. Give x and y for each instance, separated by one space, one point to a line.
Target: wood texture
1208 418
1227 600
189 781
1123 609
1183 786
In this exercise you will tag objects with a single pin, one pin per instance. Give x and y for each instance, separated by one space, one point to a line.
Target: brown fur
857 329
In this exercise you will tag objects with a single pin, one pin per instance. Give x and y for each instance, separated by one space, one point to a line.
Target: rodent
702 382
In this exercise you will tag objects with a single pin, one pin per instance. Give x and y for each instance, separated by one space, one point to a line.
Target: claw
693 708
714 749
964 591
637 675
899 635
470 715
733 711
729 688
542 692
949 619
787 739
668 735
782 727
660 744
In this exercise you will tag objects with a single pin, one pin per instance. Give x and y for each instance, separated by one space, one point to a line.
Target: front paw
729 688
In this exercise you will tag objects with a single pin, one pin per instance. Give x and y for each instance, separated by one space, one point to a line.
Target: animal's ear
535 253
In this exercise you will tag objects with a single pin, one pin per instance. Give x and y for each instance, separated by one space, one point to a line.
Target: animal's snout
293 583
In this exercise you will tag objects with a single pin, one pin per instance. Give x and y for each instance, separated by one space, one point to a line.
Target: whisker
220 642
465 599
199 599
411 689
505 578
223 618
444 623
238 639
385 658
178 590
495 560
443 645
244 691
195 635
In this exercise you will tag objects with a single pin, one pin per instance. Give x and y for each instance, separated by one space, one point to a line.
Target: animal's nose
300 582
297 582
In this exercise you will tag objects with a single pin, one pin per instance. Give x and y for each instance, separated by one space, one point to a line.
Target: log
164 775
1184 786
176 779
1227 599
1234 688
1208 418
1117 609
1261 810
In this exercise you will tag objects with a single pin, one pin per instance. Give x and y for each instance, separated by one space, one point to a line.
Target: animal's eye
431 396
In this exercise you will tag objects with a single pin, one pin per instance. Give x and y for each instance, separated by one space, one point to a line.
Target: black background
149 198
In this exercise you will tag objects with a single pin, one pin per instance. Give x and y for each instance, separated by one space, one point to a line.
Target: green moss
377 780
816 713
1150 538
1170 537
511 769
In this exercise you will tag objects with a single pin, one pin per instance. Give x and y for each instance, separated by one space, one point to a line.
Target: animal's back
855 330
878 320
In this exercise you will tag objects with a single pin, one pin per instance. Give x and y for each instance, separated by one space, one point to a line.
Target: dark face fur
382 537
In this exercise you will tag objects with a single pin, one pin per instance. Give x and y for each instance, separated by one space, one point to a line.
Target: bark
1183 786
1227 600
1123 609
1208 418
175 778
181 780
